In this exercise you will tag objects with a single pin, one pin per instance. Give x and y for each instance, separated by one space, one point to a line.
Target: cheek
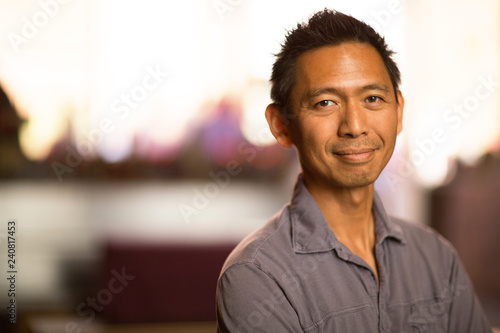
314 134
386 127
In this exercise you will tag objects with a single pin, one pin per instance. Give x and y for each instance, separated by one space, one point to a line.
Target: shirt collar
311 233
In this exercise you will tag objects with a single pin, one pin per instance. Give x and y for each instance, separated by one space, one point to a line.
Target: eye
325 103
373 99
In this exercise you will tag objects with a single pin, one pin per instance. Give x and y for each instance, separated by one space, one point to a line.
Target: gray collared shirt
293 275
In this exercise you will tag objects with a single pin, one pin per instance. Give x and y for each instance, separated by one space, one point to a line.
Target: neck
348 212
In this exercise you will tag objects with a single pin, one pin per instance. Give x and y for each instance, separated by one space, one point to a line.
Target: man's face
345 115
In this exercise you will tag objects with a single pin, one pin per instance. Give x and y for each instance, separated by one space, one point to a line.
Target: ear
400 107
277 125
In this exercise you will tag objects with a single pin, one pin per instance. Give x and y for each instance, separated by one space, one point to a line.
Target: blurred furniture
467 212
172 282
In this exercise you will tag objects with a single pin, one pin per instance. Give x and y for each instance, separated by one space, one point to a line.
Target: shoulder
423 240
429 264
419 232
263 243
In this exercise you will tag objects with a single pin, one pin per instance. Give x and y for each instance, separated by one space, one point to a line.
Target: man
332 260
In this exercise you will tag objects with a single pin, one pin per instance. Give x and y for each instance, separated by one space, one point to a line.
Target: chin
356 180
357 183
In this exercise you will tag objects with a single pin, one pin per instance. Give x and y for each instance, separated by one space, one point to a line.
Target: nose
354 121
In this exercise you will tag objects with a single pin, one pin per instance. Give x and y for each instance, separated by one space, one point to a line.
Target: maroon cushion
160 282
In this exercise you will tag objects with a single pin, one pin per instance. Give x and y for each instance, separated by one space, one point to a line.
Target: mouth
357 155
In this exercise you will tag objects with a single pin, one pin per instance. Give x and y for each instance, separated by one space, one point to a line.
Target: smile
356 155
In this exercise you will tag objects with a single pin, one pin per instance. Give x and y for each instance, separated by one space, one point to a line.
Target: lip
356 155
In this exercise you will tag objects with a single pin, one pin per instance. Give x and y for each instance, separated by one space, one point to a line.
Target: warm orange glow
149 73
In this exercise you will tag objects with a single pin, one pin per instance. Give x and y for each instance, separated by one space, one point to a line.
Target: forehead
341 66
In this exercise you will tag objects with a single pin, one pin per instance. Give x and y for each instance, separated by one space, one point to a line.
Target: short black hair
327 27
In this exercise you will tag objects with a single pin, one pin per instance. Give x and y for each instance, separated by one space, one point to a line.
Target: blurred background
134 152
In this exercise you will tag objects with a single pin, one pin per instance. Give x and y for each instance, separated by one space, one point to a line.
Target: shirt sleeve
466 314
249 300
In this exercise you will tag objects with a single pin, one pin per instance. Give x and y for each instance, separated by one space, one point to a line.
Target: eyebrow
331 90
